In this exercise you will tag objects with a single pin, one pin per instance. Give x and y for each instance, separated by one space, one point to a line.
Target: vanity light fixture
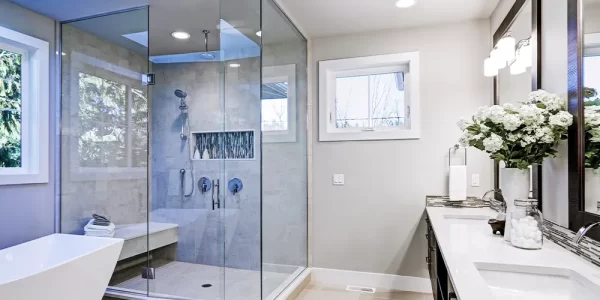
517 67
489 68
180 35
405 3
506 45
497 58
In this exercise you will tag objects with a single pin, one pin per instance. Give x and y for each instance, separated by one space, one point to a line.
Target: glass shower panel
284 164
241 50
187 154
104 135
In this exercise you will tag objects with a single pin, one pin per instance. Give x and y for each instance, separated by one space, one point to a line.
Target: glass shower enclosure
185 125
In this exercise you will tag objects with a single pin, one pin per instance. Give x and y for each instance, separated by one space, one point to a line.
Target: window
24 94
110 124
369 98
278 105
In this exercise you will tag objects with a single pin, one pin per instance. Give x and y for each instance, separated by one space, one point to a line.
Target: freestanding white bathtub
58 267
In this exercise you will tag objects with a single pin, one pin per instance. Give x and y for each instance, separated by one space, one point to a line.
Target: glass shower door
186 227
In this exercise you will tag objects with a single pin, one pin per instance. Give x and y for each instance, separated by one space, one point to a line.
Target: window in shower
24 91
111 123
278 105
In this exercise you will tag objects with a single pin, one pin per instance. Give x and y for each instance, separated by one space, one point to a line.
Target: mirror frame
536 72
578 217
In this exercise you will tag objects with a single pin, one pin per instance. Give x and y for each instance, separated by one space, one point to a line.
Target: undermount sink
514 282
466 217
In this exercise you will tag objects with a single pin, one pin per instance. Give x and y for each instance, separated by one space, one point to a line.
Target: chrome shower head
206 55
180 94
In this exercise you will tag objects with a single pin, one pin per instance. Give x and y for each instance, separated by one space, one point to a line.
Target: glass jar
527 231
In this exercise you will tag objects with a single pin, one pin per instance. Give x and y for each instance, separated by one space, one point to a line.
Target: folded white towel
100 234
90 227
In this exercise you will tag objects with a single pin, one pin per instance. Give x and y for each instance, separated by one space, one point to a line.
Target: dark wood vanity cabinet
441 284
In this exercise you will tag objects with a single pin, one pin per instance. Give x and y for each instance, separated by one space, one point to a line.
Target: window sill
375 135
15 178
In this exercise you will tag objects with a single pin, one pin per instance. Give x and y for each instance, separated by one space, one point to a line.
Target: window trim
79 173
35 111
283 73
329 70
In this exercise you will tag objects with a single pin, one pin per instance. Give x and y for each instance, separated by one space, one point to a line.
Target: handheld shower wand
184 137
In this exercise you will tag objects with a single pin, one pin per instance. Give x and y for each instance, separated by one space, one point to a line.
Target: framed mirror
515 81
584 102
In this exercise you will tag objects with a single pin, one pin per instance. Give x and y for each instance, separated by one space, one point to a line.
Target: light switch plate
475 180
338 179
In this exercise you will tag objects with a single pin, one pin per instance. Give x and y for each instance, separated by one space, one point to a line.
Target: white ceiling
319 18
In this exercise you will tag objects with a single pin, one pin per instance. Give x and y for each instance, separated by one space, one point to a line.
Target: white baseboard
295 287
342 278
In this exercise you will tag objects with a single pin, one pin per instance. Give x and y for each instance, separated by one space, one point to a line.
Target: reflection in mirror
514 81
591 83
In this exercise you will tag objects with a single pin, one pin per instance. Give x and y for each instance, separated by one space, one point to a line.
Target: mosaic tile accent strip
226 145
443 201
588 249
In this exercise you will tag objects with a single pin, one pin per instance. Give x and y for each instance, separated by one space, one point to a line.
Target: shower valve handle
216 186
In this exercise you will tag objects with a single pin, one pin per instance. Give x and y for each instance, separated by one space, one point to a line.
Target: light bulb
517 68
506 45
489 68
496 56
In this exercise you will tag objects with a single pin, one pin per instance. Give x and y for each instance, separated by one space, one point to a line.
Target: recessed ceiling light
180 35
234 65
405 3
259 33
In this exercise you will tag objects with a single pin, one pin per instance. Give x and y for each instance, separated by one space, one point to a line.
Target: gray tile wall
237 224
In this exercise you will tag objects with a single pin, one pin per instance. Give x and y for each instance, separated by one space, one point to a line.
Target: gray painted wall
27 211
375 222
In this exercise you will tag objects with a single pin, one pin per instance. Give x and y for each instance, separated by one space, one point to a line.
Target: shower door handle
216 186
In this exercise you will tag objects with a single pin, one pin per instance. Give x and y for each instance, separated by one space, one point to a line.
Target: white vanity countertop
466 242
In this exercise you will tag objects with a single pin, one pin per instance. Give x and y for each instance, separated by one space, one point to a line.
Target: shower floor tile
182 280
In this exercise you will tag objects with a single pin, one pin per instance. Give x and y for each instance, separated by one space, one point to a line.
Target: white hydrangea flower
545 135
527 140
464 139
561 119
497 114
482 113
595 132
537 96
511 122
554 102
531 114
484 128
592 116
463 124
493 143
513 137
509 107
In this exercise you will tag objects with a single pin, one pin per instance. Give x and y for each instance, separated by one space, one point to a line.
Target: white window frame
35 94
284 73
79 173
331 69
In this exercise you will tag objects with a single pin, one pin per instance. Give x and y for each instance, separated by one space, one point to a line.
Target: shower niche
224 145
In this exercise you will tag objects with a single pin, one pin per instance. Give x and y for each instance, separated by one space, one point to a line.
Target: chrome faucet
499 191
583 231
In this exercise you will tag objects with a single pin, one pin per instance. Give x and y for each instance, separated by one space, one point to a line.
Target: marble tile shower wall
285 178
201 235
84 192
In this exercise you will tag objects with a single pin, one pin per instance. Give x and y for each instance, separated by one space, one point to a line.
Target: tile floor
313 292
185 280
